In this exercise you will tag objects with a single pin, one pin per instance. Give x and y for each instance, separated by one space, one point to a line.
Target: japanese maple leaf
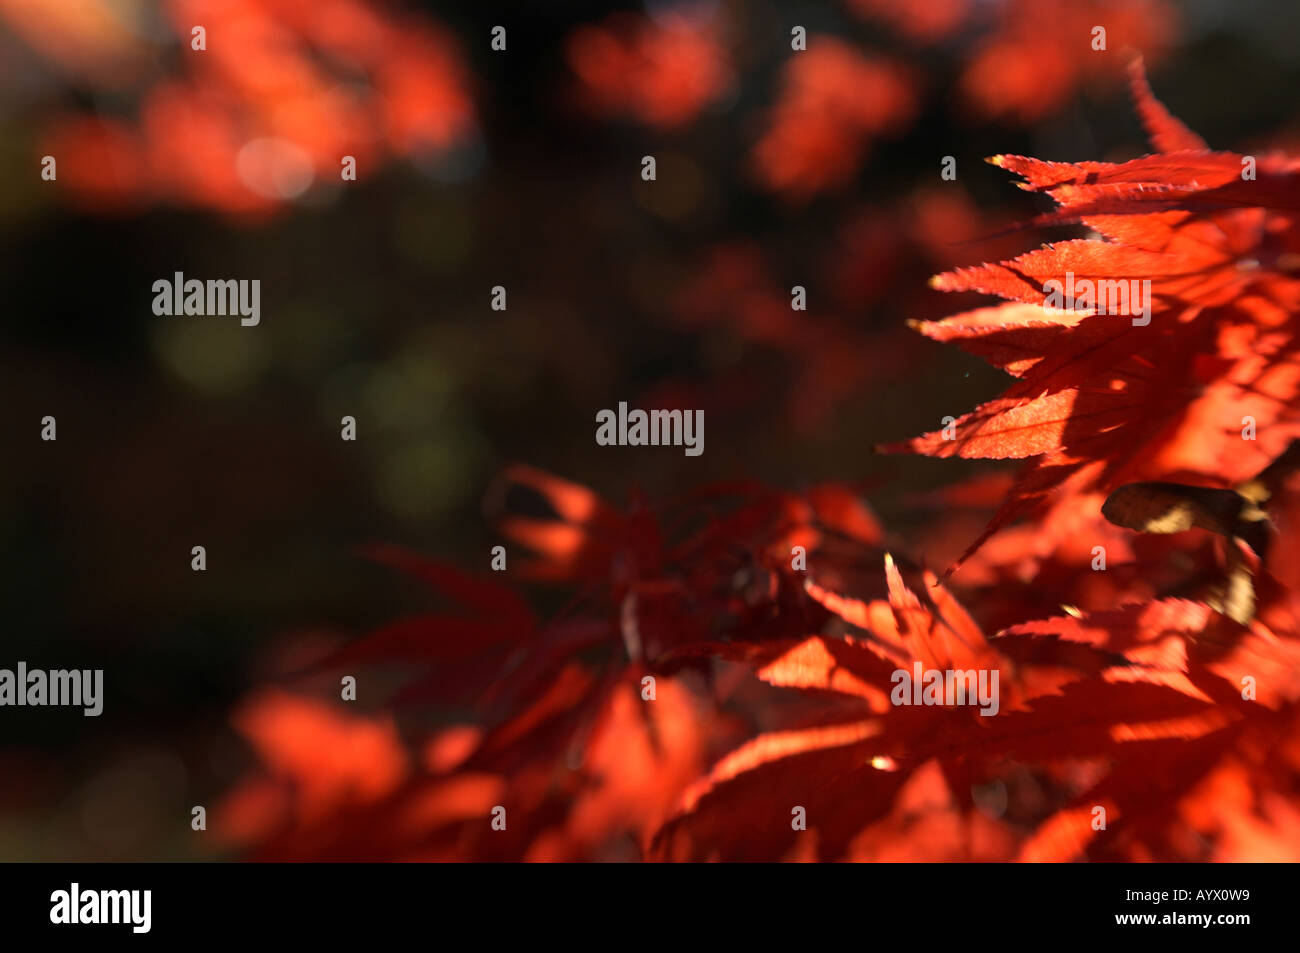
1142 687
1069 555
715 566
1154 777
846 769
1113 396
930 823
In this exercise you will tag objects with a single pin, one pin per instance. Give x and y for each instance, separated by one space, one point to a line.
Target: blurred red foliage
834 101
1040 51
922 22
661 72
585 754
280 93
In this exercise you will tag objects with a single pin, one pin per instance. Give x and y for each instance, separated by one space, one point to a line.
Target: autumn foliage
711 674
1133 704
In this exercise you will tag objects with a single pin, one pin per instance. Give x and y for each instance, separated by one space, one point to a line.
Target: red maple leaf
846 769
1112 396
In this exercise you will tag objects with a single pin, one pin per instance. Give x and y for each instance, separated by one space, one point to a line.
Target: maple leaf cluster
721 663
